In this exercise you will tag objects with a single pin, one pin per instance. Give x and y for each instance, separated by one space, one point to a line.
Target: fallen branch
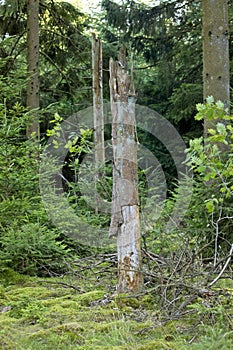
223 269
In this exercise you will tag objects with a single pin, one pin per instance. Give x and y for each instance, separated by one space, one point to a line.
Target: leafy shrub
208 222
33 249
212 162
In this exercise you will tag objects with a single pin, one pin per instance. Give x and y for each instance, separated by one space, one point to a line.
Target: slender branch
223 269
56 66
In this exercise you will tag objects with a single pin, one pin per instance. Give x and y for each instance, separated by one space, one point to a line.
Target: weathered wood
98 101
125 222
216 68
129 251
33 64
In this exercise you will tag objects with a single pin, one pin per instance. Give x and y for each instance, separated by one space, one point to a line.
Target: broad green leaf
210 206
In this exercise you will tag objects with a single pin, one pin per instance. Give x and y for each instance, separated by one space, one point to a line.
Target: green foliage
212 160
18 178
28 243
20 202
207 224
65 53
9 277
165 39
210 213
76 190
183 102
211 110
214 338
33 249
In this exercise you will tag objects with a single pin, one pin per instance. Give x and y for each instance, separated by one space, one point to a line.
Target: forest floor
73 312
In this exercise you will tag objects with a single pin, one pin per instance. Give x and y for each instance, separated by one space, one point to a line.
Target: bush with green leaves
33 249
76 190
208 223
212 162
19 201
28 242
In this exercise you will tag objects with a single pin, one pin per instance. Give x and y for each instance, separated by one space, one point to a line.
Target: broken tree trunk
98 103
125 222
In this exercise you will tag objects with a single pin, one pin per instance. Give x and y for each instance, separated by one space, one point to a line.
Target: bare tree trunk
98 101
33 64
125 222
216 67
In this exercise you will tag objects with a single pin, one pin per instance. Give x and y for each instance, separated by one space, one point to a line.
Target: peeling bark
129 251
125 222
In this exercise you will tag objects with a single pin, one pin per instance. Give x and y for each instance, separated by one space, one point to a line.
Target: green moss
123 300
132 326
10 277
34 291
97 315
155 345
225 283
118 347
108 326
63 302
101 347
52 340
7 321
72 329
50 317
148 301
57 315
2 292
86 298
71 310
6 338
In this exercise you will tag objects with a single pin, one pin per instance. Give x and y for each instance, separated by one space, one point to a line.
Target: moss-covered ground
65 314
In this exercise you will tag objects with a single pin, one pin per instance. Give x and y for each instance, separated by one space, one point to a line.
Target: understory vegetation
80 310
57 293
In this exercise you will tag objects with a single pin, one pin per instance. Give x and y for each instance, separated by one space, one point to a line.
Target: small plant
33 249
212 162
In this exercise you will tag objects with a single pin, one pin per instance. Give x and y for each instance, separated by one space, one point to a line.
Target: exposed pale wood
129 251
125 222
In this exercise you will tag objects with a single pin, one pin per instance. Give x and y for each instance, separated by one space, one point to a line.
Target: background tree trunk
33 64
98 101
216 68
125 200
